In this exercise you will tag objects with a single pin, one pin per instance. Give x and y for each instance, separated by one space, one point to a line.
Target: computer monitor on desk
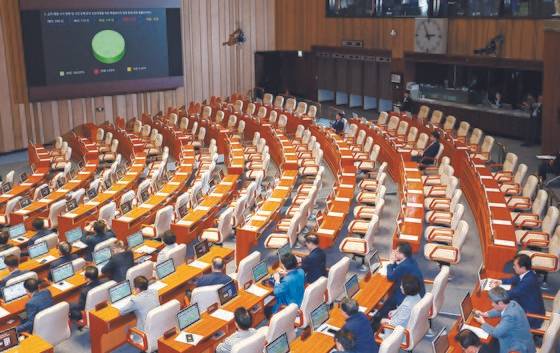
120 291
62 272
188 316
39 249
279 345
165 268
227 292
102 256
441 343
352 286
13 292
285 249
73 235
260 271
134 240
8 339
16 231
201 248
466 307
126 207
319 316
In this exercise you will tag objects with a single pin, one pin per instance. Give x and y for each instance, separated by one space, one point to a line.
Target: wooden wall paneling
47 127
551 93
108 106
64 115
5 109
55 118
25 128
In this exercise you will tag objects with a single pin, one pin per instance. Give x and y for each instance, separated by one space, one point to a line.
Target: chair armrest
301 318
444 247
134 330
523 214
439 201
383 327
541 243
437 231
546 255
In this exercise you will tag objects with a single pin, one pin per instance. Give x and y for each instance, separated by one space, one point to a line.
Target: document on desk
182 337
257 291
48 258
157 285
63 286
4 312
483 335
199 264
486 284
383 268
222 315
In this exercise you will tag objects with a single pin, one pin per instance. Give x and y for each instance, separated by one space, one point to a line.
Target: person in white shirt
243 322
411 290
170 243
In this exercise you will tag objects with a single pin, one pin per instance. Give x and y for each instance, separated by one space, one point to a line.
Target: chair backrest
423 112
278 102
114 146
14 250
373 225
550 220
178 254
418 323
107 212
145 269
267 98
56 209
336 279
290 105
313 296
97 295
173 119
540 202
225 224
145 132
487 144
105 244
520 173
272 116
463 129
241 127
163 220
510 162
392 343
78 264
143 186
127 196
449 123
436 118
438 290
206 112
422 141
52 324
99 135
460 235
312 112
261 114
245 268
21 278
401 129
219 116
476 136
205 296
530 186
393 122
382 120
58 142
551 334
11 205
252 344
457 215
251 109
352 130
51 240
361 137
240 207
283 322
412 134
368 145
374 153
301 108
184 123
160 320
299 131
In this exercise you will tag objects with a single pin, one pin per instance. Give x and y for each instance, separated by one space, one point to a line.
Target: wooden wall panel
209 69
301 24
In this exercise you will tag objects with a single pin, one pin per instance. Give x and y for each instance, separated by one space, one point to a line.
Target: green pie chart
108 46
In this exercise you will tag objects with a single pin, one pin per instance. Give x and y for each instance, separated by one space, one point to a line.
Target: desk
108 329
369 295
32 344
208 325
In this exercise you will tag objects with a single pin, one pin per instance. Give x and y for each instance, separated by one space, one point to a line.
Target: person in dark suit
358 324
344 342
38 225
65 255
470 342
100 234
497 101
535 111
430 153
314 264
40 300
122 259
406 105
217 276
525 288
401 264
12 263
338 123
550 166
92 276
4 238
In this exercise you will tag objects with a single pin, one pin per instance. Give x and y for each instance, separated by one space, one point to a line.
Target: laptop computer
16 232
136 243
2 264
284 250
6 187
260 271
374 262
227 292
319 317
60 273
279 345
101 257
45 191
120 294
188 316
74 236
107 183
126 207
201 248
92 193
352 286
24 202
441 343
23 177
165 268
144 195
8 339
38 250
13 292
466 311
60 182
183 210
71 205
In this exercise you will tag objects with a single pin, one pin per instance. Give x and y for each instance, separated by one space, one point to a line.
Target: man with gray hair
217 276
513 332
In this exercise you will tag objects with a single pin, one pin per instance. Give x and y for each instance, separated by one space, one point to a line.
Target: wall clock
430 35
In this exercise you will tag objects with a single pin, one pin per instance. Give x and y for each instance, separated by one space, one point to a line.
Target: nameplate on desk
185 223
416 192
414 180
126 219
26 184
120 182
4 312
203 208
259 218
71 215
63 286
408 237
91 165
222 315
348 174
251 228
410 169
461 147
226 183
346 186
327 231
492 190
501 222
37 175
92 203
502 242
199 264
147 206
83 173
414 204
257 291
162 194
413 220
264 213
174 183
182 337
62 190
336 214
275 199
480 165
342 199
287 178
138 165
282 188
110 192
23 212
486 177
157 285
217 194
494 204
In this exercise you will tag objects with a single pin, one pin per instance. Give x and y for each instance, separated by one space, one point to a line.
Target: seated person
400 316
314 264
549 166
406 105
39 300
402 263
358 325
338 123
4 238
38 225
92 276
497 101
143 300
121 260
344 342
513 331
289 284
430 153
525 288
243 322
65 255
170 242
470 342
100 234
217 276
12 263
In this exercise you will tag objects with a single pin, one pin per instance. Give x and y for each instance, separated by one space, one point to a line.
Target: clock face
431 36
